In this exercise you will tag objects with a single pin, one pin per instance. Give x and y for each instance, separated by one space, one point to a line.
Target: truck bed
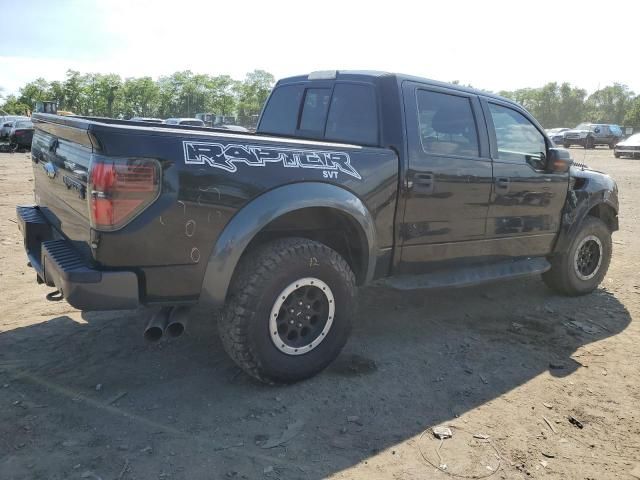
207 176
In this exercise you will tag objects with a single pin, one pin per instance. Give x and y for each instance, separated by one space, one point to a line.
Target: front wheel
289 311
581 268
589 143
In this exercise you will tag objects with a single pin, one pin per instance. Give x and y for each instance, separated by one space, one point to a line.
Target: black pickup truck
352 177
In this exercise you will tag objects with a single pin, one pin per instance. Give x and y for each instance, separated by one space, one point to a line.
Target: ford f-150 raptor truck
352 177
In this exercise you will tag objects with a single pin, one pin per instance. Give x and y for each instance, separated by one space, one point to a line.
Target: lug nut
290 322
299 325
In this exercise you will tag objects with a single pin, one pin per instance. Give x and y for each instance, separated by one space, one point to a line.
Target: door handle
423 182
502 183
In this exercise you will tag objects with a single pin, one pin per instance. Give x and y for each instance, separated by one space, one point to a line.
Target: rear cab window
341 111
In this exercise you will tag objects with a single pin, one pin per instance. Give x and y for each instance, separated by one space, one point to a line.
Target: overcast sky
490 44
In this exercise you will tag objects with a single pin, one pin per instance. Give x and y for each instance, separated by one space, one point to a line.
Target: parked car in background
629 147
6 124
589 135
557 135
233 128
146 119
194 122
21 134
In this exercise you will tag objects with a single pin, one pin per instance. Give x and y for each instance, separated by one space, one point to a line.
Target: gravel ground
504 365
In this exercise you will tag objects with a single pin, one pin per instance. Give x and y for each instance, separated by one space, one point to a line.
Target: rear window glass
24 125
353 116
314 111
281 113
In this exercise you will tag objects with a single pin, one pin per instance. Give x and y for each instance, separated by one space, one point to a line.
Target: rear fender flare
258 213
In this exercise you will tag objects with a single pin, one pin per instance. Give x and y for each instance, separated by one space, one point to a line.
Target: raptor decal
226 157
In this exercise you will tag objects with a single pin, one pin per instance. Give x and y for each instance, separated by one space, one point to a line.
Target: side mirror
558 160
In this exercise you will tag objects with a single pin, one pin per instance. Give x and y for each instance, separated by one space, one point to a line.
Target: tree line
183 94
562 105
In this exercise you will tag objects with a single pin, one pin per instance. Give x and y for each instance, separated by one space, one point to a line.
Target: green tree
14 107
632 117
253 92
140 97
33 92
73 91
609 104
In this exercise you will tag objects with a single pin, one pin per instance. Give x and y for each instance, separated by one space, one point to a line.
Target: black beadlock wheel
289 310
582 267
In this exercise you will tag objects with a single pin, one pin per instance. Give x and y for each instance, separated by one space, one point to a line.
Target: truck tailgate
61 156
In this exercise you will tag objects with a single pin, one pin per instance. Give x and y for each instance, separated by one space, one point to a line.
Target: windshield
24 125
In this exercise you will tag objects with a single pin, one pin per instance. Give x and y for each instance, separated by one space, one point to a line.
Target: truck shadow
181 407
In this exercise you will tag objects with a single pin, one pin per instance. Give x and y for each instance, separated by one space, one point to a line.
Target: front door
448 179
527 201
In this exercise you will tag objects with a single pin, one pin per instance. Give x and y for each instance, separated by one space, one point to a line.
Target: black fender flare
262 210
578 206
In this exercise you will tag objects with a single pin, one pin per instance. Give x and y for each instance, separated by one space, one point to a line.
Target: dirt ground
505 365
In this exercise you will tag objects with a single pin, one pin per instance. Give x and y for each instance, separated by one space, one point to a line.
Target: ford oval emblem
50 169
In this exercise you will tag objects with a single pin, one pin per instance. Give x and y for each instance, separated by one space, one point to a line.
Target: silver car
6 124
629 147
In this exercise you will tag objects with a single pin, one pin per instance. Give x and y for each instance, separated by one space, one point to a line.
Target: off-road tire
562 276
259 280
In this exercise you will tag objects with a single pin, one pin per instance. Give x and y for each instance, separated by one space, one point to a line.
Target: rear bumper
58 264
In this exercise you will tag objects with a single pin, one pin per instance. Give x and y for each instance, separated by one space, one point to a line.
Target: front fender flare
258 213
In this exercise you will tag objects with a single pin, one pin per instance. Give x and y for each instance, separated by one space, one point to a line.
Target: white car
557 135
193 122
629 147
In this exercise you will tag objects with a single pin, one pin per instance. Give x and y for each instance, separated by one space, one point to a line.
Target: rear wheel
582 267
289 311
567 145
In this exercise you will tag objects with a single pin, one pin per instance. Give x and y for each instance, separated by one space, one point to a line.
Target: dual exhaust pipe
170 321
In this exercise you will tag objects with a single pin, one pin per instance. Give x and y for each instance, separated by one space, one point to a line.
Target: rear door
448 178
526 201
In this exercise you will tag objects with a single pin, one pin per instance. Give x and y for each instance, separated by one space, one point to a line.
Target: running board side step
468 276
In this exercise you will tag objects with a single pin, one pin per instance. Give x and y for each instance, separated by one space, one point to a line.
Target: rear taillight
119 189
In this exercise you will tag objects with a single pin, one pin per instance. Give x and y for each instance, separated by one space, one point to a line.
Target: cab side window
447 125
519 141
